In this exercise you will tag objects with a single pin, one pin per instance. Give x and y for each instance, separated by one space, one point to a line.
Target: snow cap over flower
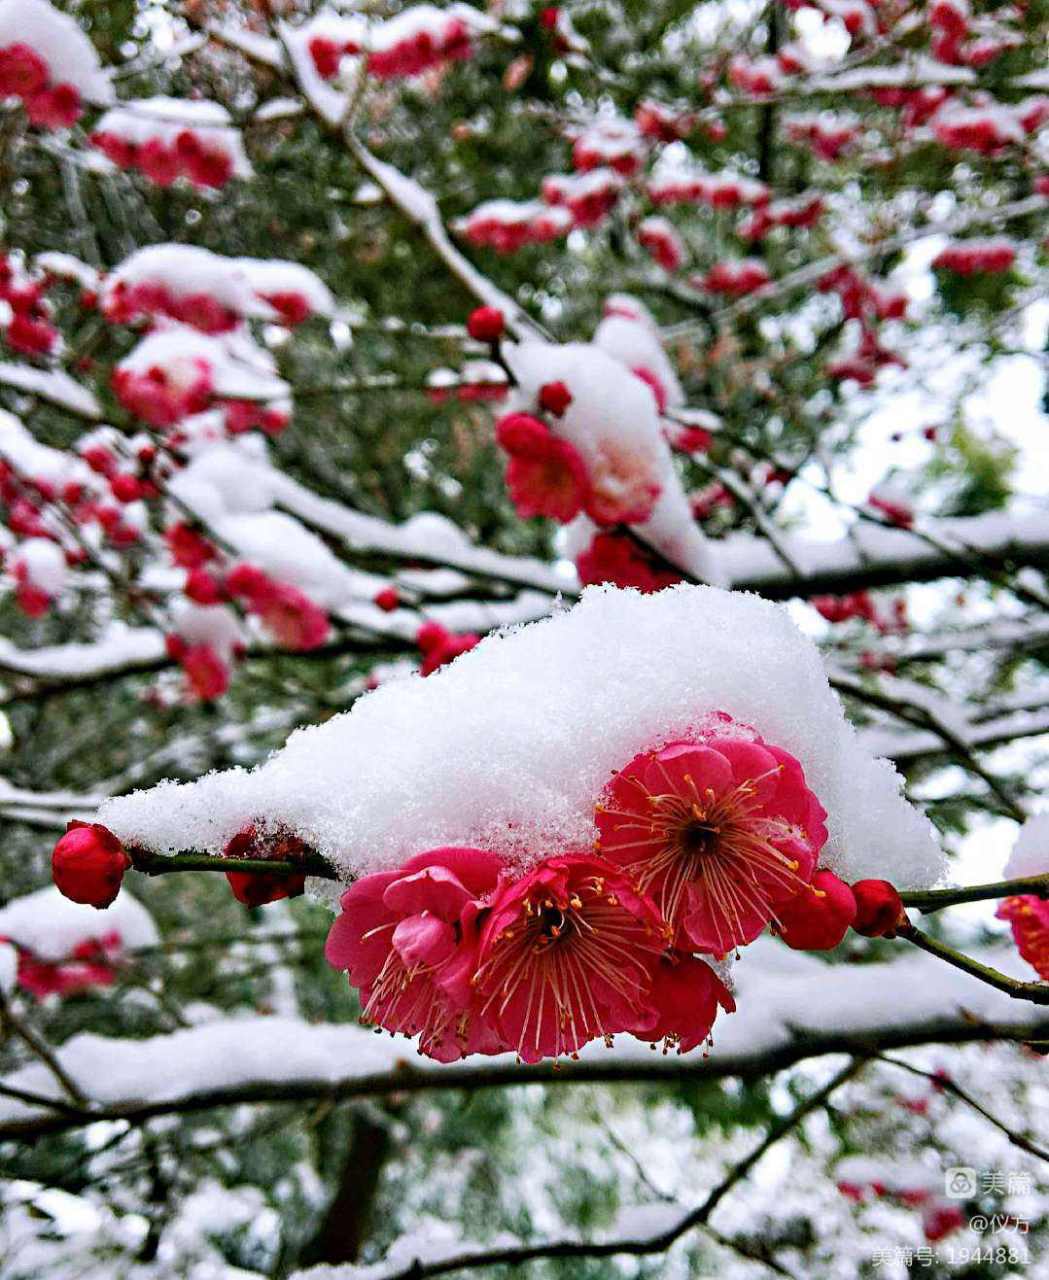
1030 853
510 747
976 257
566 956
175 372
721 830
185 282
661 241
170 138
508 225
409 940
628 332
66 56
423 36
736 278
65 947
88 864
611 423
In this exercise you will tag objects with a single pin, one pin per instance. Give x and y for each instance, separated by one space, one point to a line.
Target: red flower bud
88 864
125 487
819 917
387 599
256 888
554 397
485 324
879 909
203 588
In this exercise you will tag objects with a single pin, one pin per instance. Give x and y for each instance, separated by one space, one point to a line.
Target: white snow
69 267
1030 854
8 968
51 926
54 385
635 343
269 276
240 368
510 747
44 564
119 646
40 462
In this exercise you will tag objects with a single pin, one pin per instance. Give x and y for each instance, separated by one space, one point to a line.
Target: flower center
553 923
697 838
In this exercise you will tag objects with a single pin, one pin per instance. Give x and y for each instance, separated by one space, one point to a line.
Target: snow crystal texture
510 746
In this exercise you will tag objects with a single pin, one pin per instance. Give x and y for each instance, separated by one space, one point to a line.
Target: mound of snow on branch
1030 855
510 746
51 926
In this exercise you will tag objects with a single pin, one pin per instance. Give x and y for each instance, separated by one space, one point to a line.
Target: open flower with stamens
720 831
409 938
566 956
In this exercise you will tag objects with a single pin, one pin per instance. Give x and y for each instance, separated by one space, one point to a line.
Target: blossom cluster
165 139
419 39
28 329
196 379
25 74
912 1187
699 846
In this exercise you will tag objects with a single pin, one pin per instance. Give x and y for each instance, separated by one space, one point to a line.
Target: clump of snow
230 487
54 385
70 56
629 334
66 266
276 277
52 926
47 467
1030 855
8 968
510 746
239 368
183 270
43 564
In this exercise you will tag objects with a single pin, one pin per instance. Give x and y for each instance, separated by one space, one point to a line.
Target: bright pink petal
424 940
434 889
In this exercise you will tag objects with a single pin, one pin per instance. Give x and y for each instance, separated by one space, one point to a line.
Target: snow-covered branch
860 1011
638 1231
